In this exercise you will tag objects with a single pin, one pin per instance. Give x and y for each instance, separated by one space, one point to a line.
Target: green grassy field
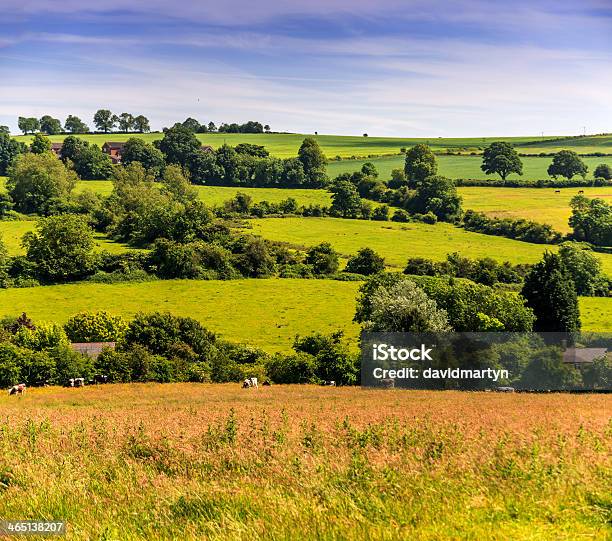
596 313
397 242
266 313
217 195
12 232
286 145
537 204
534 168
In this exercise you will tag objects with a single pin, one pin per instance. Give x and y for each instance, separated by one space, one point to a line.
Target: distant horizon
386 68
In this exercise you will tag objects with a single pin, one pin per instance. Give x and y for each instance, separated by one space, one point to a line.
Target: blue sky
385 67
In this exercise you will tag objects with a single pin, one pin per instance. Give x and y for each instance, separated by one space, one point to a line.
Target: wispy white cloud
396 84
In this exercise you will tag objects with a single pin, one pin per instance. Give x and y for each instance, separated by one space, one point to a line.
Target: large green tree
28 124
74 124
61 249
126 122
438 195
420 163
138 150
50 125
36 180
404 307
501 158
72 147
568 164
591 220
551 293
313 161
345 199
105 120
93 164
365 262
603 170
178 145
582 265
40 144
141 124
9 150
323 258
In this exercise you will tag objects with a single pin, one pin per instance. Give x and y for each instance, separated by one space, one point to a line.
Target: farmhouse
206 148
114 150
583 356
91 349
56 148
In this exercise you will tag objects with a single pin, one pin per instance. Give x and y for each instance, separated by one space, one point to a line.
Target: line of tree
104 120
107 122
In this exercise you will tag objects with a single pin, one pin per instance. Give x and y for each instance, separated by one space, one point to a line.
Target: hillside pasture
537 204
266 313
217 195
596 314
465 167
12 233
396 242
286 145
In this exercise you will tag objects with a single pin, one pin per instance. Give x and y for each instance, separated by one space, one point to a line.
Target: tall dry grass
298 462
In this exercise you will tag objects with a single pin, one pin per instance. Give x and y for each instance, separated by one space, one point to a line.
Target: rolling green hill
12 232
266 313
538 204
468 167
397 242
286 145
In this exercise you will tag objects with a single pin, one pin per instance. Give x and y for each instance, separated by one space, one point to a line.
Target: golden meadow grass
188 461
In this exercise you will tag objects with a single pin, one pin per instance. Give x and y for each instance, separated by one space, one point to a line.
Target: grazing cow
557 191
580 191
266 383
331 383
100 379
250 382
17 389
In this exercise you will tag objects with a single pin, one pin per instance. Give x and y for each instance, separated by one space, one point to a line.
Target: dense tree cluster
591 220
245 165
518 229
160 347
483 271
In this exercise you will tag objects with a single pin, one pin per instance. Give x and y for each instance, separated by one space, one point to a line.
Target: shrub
42 337
381 213
95 327
323 259
400 215
366 262
298 368
61 249
36 181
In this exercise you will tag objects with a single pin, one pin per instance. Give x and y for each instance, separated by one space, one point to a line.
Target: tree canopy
501 158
